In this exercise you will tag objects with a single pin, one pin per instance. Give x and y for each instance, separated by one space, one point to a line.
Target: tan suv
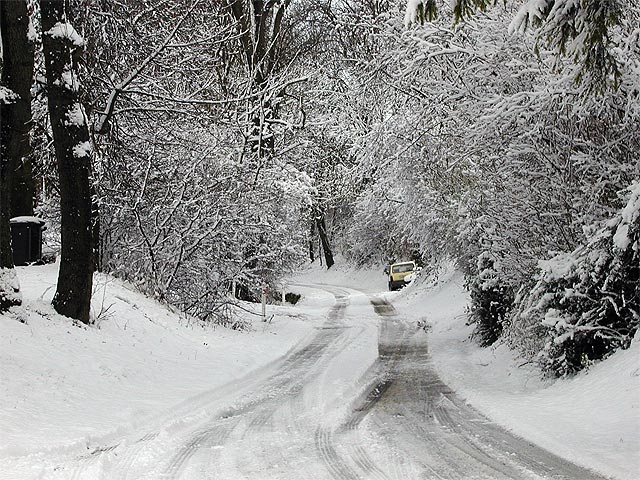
398 273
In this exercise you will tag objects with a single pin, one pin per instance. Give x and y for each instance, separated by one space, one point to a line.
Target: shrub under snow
491 301
588 300
9 289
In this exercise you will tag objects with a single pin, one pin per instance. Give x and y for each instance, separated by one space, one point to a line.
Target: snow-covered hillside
70 387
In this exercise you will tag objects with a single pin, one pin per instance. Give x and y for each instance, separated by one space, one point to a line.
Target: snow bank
9 287
370 280
67 387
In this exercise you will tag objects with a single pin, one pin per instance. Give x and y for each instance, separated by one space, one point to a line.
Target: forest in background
189 146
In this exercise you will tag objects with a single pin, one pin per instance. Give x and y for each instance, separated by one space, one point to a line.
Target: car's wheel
391 289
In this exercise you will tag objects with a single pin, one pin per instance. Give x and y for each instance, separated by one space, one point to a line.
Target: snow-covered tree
492 150
588 301
63 47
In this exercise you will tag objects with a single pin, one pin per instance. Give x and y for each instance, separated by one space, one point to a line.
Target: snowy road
358 399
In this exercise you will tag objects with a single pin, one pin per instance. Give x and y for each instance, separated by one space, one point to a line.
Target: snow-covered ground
370 280
69 390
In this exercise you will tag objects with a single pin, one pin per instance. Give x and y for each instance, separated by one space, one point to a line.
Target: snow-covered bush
489 289
588 301
491 300
10 295
195 226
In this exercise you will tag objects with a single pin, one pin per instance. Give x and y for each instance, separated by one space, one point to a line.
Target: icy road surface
358 399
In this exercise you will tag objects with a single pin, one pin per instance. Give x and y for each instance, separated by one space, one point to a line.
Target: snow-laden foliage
377 234
7 96
586 31
9 289
588 300
491 301
188 221
421 151
491 290
186 210
581 30
490 149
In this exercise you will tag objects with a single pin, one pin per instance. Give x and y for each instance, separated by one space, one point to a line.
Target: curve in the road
404 423
419 418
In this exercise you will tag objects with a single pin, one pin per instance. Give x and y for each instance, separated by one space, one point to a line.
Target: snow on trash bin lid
26 219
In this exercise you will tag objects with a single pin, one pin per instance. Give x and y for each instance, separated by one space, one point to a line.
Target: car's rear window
403 267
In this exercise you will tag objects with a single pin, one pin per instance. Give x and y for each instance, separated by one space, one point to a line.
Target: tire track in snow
291 407
277 386
418 427
380 371
286 383
448 438
85 462
209 439
338 468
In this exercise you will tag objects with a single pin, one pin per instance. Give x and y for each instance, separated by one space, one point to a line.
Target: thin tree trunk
62 45
15 124
311 235
95 231
324 239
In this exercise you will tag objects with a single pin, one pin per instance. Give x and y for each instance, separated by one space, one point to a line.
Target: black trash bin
26 239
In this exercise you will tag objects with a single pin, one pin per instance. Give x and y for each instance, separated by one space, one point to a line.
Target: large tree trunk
9 286
15 123
62 45
17 74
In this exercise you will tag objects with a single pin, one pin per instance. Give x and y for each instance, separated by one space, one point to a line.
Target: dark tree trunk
17 74
15 123
23 191
311 248
324 239
9 286
61 47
